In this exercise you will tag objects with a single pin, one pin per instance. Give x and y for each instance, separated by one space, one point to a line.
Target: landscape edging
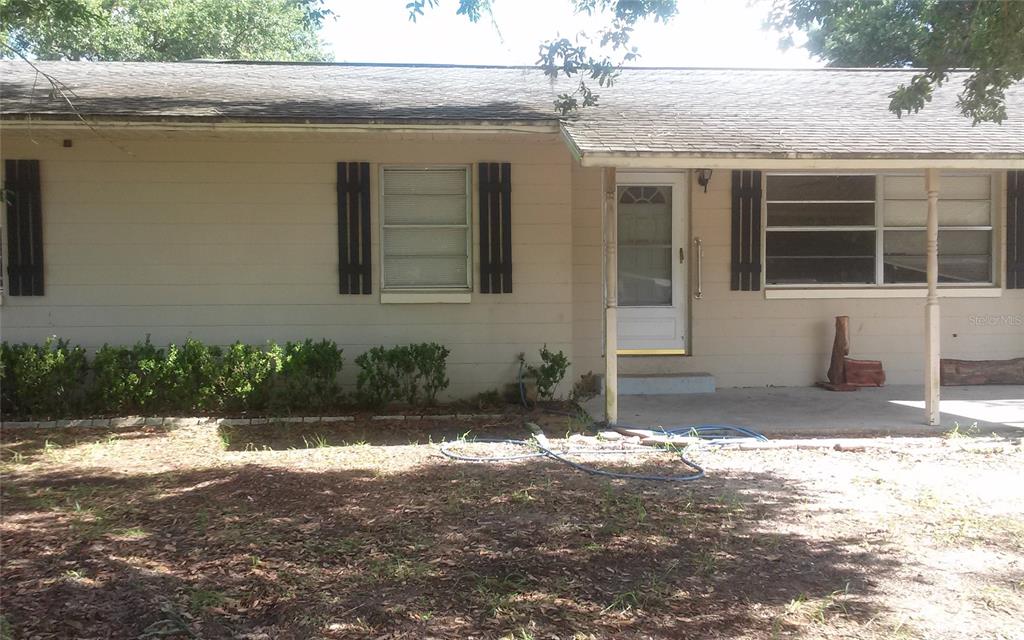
177 421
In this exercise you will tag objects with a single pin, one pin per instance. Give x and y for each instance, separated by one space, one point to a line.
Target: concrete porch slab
805 411
665 384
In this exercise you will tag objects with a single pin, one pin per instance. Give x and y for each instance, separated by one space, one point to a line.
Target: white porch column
611 298
931 313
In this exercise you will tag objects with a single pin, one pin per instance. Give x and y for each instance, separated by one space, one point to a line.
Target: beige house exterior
156 223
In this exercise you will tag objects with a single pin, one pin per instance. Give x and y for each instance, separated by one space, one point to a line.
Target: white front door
652 263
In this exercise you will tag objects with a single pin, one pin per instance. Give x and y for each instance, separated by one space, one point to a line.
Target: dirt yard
364 531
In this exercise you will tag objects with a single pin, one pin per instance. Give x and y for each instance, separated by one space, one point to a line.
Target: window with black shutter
746 231
1015 230
354 266
495 227
425 228
23 198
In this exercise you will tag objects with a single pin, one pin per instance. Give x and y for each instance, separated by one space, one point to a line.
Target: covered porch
810 411
922 182
793 216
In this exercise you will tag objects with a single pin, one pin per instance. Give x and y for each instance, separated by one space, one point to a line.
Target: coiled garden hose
562 456
711 433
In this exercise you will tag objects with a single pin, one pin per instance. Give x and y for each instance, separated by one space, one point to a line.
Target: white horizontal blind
965 229
425 220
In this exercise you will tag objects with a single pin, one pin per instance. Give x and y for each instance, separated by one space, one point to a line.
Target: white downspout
932 333
611 298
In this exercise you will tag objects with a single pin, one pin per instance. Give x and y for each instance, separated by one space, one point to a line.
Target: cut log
840 349
847 374
977 372
837 387
864 373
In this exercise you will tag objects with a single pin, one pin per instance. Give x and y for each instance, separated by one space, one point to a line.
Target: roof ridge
442 65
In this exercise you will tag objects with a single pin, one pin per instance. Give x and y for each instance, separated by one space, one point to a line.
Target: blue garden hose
714 433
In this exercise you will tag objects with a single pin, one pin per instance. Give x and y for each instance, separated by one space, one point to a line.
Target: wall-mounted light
704 178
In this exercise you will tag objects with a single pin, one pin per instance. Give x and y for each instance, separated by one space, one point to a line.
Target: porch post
932 334
611 298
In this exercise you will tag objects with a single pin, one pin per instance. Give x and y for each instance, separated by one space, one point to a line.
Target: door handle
698 248
682 255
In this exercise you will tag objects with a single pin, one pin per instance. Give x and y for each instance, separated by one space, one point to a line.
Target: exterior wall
233 236
744 339
588 271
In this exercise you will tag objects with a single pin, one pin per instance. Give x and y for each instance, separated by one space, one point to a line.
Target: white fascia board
769 163
178 125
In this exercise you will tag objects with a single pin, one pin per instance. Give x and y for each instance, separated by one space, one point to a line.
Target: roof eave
793 160
163 122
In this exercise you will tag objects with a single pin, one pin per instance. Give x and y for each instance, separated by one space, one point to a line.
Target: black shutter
354 228
495 186
746 230
1015 229
24 228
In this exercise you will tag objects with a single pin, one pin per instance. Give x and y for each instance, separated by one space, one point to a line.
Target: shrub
381 372
393 373
194 370
57 380
308 375
430 362
551 371
42 380
588 386
136 379
246 376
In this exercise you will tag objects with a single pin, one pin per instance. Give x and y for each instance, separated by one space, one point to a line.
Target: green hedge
402 373
47 379
57 380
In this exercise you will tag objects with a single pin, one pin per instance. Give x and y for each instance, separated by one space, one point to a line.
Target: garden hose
542 451
711 433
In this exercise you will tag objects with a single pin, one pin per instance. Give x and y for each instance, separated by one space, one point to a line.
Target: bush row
57 379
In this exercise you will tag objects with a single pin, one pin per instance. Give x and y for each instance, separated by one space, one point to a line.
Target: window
870 230
820 229
425 239
965 229
645 246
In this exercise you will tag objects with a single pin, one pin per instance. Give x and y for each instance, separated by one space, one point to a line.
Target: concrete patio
891 410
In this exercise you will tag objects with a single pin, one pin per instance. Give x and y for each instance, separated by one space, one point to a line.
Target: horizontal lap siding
587 260
235 239
746 340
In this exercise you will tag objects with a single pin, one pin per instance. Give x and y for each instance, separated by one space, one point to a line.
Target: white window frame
879 227
427 293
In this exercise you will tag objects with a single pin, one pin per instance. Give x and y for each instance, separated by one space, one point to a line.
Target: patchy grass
362 530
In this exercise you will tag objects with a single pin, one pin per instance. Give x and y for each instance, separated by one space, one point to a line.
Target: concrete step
665 384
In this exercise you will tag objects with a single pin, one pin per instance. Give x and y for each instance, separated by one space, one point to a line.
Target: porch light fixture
704 178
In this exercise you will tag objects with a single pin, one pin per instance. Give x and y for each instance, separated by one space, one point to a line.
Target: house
729 215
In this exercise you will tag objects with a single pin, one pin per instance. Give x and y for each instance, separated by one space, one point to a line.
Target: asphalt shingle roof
687 112
820 112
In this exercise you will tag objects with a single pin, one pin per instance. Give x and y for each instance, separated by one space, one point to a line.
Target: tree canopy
148 30
985 37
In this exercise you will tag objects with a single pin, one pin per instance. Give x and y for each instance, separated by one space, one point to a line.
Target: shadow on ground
32 442
416 430
374 433
438 550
